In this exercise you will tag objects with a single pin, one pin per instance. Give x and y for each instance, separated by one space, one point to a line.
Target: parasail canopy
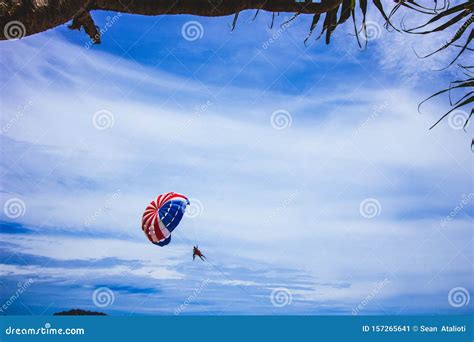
162 216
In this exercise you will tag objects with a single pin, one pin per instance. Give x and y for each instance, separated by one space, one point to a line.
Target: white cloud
336 153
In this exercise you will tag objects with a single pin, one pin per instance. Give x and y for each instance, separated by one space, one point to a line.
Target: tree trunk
19 18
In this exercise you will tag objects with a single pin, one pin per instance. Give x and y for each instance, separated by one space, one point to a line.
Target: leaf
313 26
461 7
255 16
290 20
462 104
444 26
459 33
464 84
236 16
469 39
355 28
363 8
345 11
332 24
273 20
379 6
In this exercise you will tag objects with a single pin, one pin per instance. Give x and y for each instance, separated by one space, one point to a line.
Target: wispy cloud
281 208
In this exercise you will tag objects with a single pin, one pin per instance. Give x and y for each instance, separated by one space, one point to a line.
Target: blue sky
282 212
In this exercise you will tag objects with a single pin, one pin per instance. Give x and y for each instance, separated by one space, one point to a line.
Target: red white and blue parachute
162 216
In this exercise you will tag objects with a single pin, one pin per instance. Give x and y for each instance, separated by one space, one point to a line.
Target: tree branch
84 20
41 15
